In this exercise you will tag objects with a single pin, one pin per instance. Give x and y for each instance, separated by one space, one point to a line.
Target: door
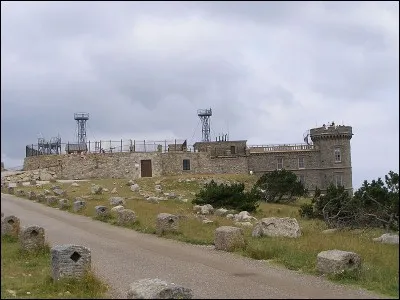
145 168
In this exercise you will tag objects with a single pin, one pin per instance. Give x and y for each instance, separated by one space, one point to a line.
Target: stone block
79 204
114 201
102 211
41 197
286 227
166 223
32 238
96 189
10 226
31 195
59 192
20 193
336 261
51 200
63 204
70 261
126 217
228 238
157 289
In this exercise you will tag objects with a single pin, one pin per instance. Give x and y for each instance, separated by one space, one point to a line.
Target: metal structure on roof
204 115
81 119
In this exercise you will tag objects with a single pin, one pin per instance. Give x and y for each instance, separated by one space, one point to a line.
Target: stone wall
260 163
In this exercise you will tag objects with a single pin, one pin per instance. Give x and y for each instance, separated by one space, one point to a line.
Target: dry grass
380 271
27 276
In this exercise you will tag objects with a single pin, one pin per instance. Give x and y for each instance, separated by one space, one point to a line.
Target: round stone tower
333 144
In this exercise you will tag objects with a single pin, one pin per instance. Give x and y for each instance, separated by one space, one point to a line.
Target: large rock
79 204
337 261
153 199
41 197
114 201
63 204
229 238
221 212
32 238
166 223
59 192
157 289
287 227
10 226
96 189
70 261
135 187
387 238
51 200
117 208
114 191
31 195
243 216
206 209
102 211
126 217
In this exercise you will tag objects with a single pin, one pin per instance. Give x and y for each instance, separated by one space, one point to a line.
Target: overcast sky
269 70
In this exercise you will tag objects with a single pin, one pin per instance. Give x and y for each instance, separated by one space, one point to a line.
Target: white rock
135 187
287 227
387 238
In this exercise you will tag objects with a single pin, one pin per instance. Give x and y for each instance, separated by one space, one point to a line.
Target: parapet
331 131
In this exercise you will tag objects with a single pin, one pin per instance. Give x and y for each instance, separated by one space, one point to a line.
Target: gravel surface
121 256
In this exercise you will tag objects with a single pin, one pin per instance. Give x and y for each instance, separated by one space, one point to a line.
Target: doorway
145 168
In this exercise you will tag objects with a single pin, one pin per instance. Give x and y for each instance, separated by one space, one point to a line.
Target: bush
375 204
307 211
279 186
227 196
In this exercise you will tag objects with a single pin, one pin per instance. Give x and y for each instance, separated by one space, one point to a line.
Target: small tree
228 196
279 185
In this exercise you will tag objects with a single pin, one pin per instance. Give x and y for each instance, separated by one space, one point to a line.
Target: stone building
327 159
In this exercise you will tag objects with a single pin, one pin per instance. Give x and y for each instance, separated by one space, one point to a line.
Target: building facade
327 160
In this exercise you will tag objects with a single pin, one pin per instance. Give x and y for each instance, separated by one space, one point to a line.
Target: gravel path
121 256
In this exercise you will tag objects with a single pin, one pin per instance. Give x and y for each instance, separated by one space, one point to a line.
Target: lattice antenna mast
204 115
81 119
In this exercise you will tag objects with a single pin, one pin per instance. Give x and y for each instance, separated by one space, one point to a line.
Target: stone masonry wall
260 163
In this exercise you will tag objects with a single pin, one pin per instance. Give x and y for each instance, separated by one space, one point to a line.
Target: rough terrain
121 256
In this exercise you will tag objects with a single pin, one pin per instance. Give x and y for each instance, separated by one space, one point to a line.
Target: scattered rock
243 216
126 217
171 196
157 289
117 208
228 238
166 223
130 183
63 204
387 238
51 200
114 191
287 227
96 189
47 192
79 204
10 226
221 212
59 192
74 184
153 200
230 216
105 190
102 211
135 187
337 261
31 195
117 201
32 238
41 197
20 193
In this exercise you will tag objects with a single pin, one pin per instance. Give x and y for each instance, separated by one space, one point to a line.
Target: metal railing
280 148
113 146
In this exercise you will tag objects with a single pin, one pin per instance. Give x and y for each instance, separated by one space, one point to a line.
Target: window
338 180
279 165
301 162
338 155
233 150
186 164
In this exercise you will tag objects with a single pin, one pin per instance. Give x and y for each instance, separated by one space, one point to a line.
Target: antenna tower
204 115
81 119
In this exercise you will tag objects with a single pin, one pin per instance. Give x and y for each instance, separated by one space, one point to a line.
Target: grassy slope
27 275
380 270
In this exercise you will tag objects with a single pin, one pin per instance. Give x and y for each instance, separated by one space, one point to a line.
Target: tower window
338 155
186 165
338 180
301 162
279 164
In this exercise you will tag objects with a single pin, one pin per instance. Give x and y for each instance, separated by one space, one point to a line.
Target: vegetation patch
26 275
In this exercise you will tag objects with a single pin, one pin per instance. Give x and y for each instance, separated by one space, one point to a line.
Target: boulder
166 223
244 216
46 192
20 193
102 211
197 208
96 189
79 204
153 200
63 204
387 238
75 184
10 226
51 200
157 289
114 201
59 192
114 191
126 217
41 197
230 216
229 238
130 183
117 208
31 195
221 212
287 227
135 187
206 209
172 196
337 261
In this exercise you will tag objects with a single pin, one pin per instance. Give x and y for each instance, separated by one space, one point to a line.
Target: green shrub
227 196
307 210
279 186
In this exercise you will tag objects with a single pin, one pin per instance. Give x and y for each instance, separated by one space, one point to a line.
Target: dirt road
121 256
